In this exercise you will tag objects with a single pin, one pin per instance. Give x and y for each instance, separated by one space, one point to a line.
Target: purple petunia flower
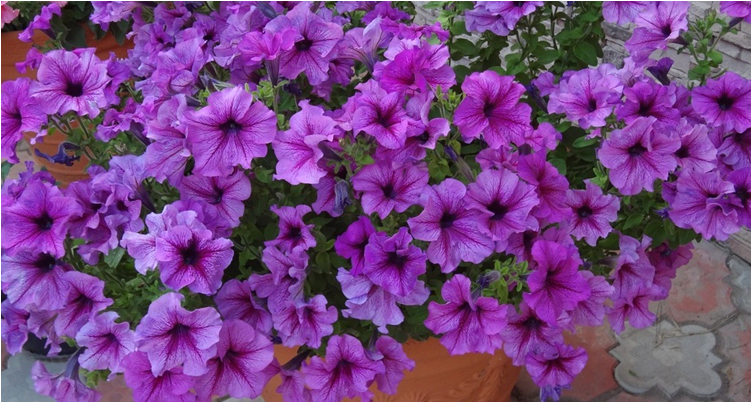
171 335
85 300
352 243
236 301
638 155
697 152
189 255
550 186
645 99
285 283
382 116
392 263
313 45
385 189
468 324
741 180
492 108
20 114
226 193
622 12
590 312
65 386
592 211
633 269
71 81
232 130
391 354
450 227
167 154
525 333
346 373
362 44
15 330
37 220
499 17
588 96
666 260
297 150
555 284
505 203
367 301
305 322
170 386
293 232
703 202
237 370
724 102
556 367
419 69
733 148
106 342
635 307
657 25
737 9
35 278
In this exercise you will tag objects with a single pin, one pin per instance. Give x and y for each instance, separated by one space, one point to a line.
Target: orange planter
437 376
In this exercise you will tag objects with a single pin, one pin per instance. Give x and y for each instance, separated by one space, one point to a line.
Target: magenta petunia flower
645 99
236 301
367 301
467 324
285 283
555 284
385 189
697 152
741 180
480 19
226 193
395 363
703 202
557 366
297 149
550 186
20 114
666 260
71 81
167 154
190 256
492 108
37 220
657 25
392 263
633 268
305 322
237 370
313 45
635 307
382 116
505 203
107 343
590 312
733 148
171 335
724 102
526 333
450 227
362 44
35 278
622 12
737 9
85 300
65 386
346 373
15 330
231 130
592 211
588 96
293 232
638 155
352 243
170 386
419 69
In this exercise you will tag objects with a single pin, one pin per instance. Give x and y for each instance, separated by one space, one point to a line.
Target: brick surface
596 378
735 340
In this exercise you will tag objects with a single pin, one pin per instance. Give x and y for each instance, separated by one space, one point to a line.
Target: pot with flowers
299 200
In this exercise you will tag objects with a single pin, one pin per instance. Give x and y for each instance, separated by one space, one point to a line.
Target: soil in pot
437 375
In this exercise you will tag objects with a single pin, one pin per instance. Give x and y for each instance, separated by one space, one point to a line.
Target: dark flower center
636 150
666 30
46 263
218 193
190 254
95 206
305 44
527 239
180 330
531 323
447 220
584 211
230 127
725 103
645 109
382 119
683 152
423 138
397 260
293 233
592 105
743 195
74 89
44 222
122 206
498 209
518 3
488 110
389 192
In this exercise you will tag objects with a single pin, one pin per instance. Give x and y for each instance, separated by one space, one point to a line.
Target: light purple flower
236 301
385 189
346 373
592 211
15 330
657 25
633 269
171 335
703 203
622 12
170 386
737 9
392 263
85 300
492 108
226 193
167 154
65 386
733 147
232 130
293 232
526 333
395 362
741 180
362 44
697 152
590 312
305 322
556 367
382 116
635 307
724 102
35 278
352 243
550 186
237 370
419 69
20 114
645 99
106 342
588 96
450 227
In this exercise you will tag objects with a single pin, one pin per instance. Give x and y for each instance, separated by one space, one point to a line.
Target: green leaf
433 4
113 258
716 57
322 261
633 221
458 28
560 165
467 48
699 71
6 166
583 142
546 56
586 53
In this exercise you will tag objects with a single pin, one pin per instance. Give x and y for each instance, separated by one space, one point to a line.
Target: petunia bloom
107 343
634 307
638 155
697 152
550 186
526 333
737 9
170 386
352 243
591 311
236 301
65 386
393 263
20 114
587 96
385 189
85 300
35 278
703 202
226 193
657 25
419 69
622 12
724 102
293 232
390 353
492 108
170 335
557 366
305 322
382 116
646 99
592 211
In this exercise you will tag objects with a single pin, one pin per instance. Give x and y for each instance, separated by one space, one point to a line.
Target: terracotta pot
62 173
437 376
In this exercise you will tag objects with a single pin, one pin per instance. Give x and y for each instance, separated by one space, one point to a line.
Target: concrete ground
698 350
